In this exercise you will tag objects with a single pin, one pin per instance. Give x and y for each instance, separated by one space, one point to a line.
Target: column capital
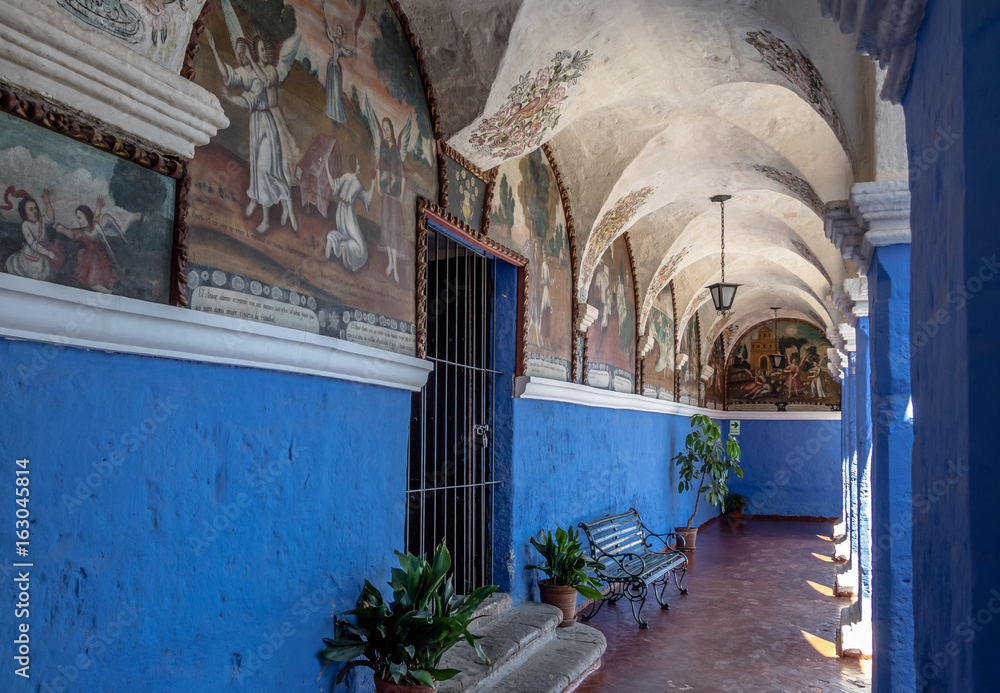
877 214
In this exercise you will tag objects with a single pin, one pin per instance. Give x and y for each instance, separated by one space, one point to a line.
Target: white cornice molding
43 312
849 335
531 387
878 214
43 52
886 31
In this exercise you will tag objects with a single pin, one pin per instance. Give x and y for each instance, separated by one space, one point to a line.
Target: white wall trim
45 52
531 387
43 312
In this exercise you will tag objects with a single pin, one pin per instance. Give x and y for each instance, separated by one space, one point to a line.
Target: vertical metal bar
483 384
492 403
468 425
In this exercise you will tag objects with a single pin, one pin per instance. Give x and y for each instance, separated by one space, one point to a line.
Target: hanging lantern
777 360
722 292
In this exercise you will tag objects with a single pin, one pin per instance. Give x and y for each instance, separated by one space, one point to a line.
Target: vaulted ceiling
651 107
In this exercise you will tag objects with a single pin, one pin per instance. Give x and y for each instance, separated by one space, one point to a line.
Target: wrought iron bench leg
598 603
683 569
658 593
636 592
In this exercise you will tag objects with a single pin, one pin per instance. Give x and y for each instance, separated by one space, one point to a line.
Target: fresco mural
304 208
81 217
802 384
157 29
658 368
611 338
715 384
466 192
527 216
608 228
689 368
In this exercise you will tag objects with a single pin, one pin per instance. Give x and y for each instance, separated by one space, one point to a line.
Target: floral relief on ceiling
532 108
800 71
796 185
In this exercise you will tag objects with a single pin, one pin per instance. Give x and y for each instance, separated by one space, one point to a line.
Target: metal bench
632 563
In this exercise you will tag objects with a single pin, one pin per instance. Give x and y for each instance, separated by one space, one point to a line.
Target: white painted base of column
854 638
846 583
43 312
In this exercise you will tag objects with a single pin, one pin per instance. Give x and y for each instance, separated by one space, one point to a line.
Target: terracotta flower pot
390 687
561 596
689 535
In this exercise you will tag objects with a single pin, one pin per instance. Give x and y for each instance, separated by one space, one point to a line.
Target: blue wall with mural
791 467
194 523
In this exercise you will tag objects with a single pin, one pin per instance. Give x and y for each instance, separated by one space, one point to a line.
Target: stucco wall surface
791 467
574 463
193 526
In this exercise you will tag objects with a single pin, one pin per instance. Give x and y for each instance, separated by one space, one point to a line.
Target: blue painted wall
574 463
791 467
892 448
194 524
952 119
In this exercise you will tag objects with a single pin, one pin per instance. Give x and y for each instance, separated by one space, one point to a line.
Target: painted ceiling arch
653 106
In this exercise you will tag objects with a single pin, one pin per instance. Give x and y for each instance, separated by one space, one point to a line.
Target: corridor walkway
760 618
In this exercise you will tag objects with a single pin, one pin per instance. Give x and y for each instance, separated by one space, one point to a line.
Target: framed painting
81 208
465 188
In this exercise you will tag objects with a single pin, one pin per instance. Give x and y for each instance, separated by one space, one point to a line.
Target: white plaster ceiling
680 99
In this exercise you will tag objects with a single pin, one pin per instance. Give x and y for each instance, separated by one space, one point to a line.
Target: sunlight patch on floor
820 536
824 647
825 559
822 589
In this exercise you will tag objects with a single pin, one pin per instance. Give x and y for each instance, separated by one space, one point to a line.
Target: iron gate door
451 475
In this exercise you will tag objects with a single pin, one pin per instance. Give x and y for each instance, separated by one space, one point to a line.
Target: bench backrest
615 534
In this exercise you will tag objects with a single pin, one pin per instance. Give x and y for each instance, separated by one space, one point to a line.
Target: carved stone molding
645 346
886 31
587 315
878 214
45 53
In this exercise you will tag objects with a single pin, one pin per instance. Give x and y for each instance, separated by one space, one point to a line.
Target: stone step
525 648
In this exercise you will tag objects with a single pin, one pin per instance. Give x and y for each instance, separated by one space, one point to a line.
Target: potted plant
403 640
734 504
704 465
566 565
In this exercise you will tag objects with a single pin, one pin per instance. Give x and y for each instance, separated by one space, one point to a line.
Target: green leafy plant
705 462
403 640
735 502
567 563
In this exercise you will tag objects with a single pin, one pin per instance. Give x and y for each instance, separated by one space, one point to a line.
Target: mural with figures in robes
303 210
715 384
611 337
802 383
527 216
658 366
688 365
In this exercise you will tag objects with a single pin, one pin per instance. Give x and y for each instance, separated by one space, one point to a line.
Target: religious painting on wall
527 216
715 384
658 366
466 191
801 384
74 215
688 364
303 210
611 337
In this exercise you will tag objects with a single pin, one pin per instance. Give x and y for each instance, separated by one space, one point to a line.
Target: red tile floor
760 618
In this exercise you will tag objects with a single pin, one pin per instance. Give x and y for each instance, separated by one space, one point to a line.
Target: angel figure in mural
391 153
37 258
665 341
269 185
345 240
94 259
334 76
546 281
271 73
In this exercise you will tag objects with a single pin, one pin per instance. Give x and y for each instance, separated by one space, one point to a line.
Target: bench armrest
619 560
664 539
